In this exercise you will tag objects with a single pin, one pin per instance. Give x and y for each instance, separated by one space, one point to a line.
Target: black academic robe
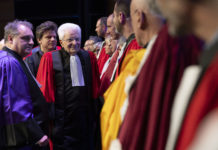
73 108
34 59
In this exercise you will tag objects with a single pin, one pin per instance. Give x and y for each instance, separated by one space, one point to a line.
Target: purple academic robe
18 128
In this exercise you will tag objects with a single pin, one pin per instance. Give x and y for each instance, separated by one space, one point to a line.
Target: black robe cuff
20 134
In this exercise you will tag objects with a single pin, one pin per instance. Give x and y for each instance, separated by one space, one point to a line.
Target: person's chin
28 50
26 53
72 52
52 48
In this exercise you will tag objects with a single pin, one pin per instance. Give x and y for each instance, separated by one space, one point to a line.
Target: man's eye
70 40
26 38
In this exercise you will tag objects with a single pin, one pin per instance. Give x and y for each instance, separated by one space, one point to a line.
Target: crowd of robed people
146 81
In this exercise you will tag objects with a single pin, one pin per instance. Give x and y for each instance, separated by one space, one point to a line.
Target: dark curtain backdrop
82 12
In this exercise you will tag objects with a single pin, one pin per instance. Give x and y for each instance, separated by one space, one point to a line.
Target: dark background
82 12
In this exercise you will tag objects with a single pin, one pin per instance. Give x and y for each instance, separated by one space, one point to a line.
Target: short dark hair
103 21
12 28
123 6
45 26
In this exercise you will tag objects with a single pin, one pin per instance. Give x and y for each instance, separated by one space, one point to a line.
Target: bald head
191 16
145 22
149 6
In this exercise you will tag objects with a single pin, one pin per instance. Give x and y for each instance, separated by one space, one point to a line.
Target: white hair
66 27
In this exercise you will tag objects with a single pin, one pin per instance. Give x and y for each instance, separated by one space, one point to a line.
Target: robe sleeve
45 77
95 75
17 124
103 57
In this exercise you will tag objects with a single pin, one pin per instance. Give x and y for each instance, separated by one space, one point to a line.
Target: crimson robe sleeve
45 77
103 57
152 94
105 80
203 102
95 75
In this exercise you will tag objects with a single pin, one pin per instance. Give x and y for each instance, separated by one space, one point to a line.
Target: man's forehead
49 32
72 33
91 41
25 31
23 28
98 22
110 20
111 17
109 23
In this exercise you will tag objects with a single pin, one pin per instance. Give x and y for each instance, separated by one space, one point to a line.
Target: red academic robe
202 103
105 80
103 57
95 75
146 123
47 77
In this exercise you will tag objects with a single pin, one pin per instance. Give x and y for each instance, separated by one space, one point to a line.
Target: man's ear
142 20
10 39
39 41
122 18
61 42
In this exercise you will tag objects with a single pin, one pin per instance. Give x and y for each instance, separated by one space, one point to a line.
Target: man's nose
74 41
31 41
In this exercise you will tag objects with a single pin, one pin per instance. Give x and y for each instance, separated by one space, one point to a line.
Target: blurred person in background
194 123
46 35
93 44
151 91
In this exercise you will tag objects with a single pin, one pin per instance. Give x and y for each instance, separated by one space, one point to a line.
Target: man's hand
43 141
